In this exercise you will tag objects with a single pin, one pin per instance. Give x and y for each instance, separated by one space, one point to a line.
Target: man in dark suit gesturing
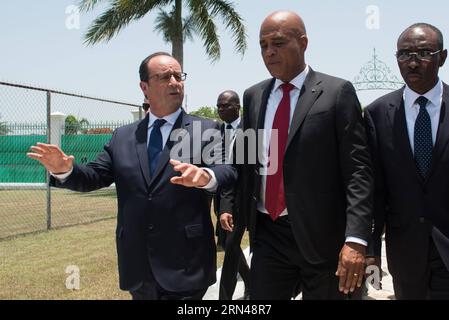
310 220
165 239
409 135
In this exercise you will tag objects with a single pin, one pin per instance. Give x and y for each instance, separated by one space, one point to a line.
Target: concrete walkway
386 293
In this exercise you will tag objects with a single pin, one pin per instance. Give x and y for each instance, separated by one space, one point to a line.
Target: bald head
423 29
231 95
288 20
283 42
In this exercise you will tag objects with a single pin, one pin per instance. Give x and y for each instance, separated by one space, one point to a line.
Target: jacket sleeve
379 204
355 163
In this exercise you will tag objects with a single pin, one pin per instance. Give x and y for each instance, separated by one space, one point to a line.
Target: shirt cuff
63 176
356 240
212 185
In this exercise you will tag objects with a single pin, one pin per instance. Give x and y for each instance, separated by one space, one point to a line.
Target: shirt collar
171 118
297 81
234 123
434 95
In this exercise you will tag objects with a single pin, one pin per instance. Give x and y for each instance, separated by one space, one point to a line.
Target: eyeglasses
165 77
422 55
225 106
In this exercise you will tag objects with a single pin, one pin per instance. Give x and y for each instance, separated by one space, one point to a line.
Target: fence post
137 114
49 130
57 120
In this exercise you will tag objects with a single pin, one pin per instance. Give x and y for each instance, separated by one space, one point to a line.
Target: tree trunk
177 41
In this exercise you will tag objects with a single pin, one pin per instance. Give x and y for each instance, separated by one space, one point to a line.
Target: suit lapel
310 91
401 140
443 131
261 110
141 148
181 123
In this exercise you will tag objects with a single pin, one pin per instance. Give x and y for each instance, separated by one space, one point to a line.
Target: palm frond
165 24
189 28
206 28
87 5
119 15
232 21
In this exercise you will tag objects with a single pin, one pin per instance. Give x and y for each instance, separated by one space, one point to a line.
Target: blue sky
38 49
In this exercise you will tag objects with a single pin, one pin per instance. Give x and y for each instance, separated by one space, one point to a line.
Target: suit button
151 227
150 197
422 220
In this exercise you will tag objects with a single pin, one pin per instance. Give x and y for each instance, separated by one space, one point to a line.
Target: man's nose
173 80
413 62
270 51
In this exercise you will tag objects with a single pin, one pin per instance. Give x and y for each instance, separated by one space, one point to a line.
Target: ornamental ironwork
376 75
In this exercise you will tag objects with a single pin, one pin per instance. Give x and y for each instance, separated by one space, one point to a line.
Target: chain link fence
81 126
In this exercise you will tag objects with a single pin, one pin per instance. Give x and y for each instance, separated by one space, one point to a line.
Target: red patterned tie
274 191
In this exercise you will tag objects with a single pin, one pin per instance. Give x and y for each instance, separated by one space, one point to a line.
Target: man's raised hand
51 157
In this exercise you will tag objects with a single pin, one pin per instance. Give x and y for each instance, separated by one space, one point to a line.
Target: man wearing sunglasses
409 134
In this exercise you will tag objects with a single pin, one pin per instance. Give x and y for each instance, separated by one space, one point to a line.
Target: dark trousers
278 268
152 291
149 289
234 262
434 285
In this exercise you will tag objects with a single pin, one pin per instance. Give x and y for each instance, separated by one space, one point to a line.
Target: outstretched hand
191 175
51 157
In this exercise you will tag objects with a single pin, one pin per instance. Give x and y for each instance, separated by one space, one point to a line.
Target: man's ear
144 87
443 56
304 41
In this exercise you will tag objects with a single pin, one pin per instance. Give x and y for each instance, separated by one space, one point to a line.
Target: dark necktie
155 144
423 139
274 191
226 131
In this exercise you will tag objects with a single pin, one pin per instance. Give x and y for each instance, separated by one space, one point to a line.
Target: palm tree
172 25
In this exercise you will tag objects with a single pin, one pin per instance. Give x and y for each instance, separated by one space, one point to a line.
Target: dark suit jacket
225 200
406 204
327 167
159 224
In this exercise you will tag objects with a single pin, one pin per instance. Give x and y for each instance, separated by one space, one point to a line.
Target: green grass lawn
33 266
24 211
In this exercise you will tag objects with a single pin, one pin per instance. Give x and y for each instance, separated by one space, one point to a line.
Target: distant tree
4 130
207 112
73 125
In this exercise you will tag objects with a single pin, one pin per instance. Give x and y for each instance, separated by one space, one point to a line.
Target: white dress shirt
272 105
234 124
435 97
